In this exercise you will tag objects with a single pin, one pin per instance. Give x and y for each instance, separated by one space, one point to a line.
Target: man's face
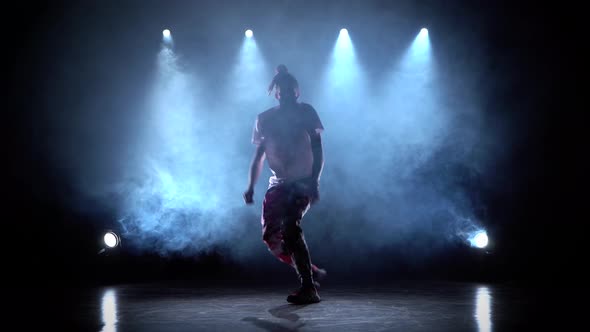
285 95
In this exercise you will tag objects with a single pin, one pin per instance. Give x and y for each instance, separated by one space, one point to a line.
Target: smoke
399 168
405 145
184 190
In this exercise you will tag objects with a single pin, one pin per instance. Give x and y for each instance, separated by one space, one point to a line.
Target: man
289 137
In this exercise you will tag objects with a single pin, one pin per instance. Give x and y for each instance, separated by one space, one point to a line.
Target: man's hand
255 168
249 196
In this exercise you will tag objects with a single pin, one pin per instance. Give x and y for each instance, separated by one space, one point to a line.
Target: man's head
281 69
286 96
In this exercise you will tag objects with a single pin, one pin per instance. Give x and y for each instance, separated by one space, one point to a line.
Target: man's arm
255 168
318 156
317 166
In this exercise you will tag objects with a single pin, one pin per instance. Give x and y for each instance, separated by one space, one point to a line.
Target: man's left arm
315 129
318 156
317 166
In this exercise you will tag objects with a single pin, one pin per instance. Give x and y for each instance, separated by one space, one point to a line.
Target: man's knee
291 229
271 228
271 237
266 237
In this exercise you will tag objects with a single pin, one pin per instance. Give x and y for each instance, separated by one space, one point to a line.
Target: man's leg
273 209
295 243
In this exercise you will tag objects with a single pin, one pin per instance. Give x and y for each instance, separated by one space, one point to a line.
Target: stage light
343 32
424 31
111 239
166 33
249 33
479 239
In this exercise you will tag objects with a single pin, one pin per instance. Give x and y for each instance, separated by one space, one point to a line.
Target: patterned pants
282 211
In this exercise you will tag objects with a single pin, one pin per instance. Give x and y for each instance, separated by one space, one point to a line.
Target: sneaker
318 274
304 295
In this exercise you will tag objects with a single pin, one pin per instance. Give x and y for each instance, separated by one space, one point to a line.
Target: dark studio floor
400 306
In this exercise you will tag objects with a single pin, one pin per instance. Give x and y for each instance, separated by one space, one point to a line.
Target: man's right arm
255 169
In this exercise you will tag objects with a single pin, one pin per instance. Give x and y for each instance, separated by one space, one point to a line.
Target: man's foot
318 274
304 295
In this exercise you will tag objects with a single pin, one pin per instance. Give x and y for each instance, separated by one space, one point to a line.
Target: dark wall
529 59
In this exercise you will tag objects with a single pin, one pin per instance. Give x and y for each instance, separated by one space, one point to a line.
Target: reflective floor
403 306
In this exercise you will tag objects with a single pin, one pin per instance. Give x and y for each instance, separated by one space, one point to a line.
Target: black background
534 75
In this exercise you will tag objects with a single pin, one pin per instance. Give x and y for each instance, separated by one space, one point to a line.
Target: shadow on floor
286 311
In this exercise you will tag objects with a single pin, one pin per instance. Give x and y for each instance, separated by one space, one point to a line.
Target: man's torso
285 135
